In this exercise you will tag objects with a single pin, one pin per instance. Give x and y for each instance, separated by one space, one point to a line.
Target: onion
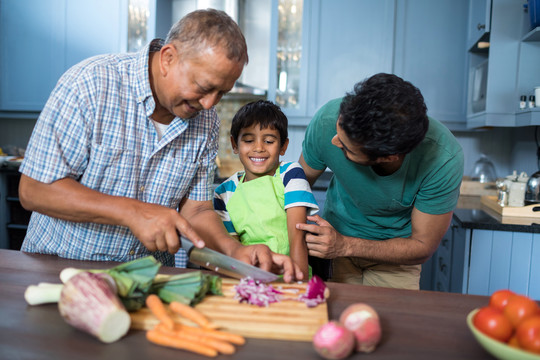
364 322
316 292
333 341
256 293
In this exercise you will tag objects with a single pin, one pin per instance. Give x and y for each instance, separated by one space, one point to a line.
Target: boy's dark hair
262 112
384 115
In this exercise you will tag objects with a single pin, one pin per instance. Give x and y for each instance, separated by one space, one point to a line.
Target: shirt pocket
402 205
173 177
112 171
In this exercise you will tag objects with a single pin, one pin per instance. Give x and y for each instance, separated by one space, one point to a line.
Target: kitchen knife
223 264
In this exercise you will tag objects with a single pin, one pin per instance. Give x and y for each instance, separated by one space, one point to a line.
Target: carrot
159 310
165 339
217 334
192 314
180 332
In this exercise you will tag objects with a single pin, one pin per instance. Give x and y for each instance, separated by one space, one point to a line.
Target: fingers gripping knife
223 264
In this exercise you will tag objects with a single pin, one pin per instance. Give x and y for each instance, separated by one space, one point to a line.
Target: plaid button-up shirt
96 128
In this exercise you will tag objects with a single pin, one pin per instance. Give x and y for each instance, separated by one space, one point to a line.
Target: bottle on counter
532 101
523 102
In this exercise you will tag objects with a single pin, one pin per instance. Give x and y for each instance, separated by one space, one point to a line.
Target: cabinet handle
480 26
442 266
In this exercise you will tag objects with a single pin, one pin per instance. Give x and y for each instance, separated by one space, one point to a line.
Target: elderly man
121 160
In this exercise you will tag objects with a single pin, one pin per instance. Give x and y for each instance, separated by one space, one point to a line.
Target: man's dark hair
384 115
262 112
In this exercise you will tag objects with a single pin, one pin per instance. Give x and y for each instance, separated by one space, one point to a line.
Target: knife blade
223 264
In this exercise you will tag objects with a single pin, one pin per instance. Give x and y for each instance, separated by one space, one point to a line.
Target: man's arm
427 231
311 174
154 225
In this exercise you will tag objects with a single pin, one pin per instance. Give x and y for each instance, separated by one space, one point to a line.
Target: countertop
472 214
415 324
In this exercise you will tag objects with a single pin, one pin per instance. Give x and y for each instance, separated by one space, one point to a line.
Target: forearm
67 199
298 250
402 251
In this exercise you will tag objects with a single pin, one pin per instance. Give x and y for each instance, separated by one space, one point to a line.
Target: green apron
257 211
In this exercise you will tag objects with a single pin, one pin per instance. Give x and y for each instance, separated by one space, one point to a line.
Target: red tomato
499 298
528 334
492 322
519 308
513 342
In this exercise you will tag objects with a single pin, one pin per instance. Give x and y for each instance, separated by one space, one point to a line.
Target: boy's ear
234 146
284 147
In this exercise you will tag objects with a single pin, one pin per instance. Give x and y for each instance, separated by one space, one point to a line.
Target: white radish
43 293
89 303
364 322
333 341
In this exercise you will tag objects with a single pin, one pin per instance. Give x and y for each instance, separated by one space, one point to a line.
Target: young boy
263 203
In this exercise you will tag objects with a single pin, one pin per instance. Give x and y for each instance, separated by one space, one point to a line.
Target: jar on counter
516 196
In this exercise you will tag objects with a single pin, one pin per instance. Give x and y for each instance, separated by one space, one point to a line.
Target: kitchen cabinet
479 22
14 218
430 52
346 41
444 271
504 260
342 42
480 254
511 67
40 40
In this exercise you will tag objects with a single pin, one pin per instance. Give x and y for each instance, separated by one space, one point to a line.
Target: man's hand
322 239
158 228
262 257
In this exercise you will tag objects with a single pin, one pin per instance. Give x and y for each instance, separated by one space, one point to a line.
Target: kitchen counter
416 324
472 214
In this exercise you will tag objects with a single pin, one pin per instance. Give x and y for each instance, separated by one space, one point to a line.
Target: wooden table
416 324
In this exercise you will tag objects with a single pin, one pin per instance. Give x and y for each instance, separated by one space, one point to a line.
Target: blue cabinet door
32 34
430 52
41 39
479 21
351 40
504 260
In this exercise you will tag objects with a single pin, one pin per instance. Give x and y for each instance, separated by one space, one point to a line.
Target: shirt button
132 252
141 189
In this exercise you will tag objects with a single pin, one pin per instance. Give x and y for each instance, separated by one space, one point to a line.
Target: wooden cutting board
285 320
528 211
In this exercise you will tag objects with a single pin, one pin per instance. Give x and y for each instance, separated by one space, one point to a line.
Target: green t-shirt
360 203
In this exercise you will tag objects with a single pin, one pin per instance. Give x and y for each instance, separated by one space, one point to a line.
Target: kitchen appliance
223 264
532 190
483 170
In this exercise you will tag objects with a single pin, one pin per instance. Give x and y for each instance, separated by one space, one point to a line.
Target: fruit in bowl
508 327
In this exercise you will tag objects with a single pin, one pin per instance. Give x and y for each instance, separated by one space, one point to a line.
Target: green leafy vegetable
188 288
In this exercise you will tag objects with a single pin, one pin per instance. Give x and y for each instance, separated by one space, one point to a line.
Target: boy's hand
262 257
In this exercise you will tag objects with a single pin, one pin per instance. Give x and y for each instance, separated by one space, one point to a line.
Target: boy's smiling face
259 150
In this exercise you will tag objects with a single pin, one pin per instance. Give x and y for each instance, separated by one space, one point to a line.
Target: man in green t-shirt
396 181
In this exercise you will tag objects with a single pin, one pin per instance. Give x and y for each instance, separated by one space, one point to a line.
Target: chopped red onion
256 293
314 294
